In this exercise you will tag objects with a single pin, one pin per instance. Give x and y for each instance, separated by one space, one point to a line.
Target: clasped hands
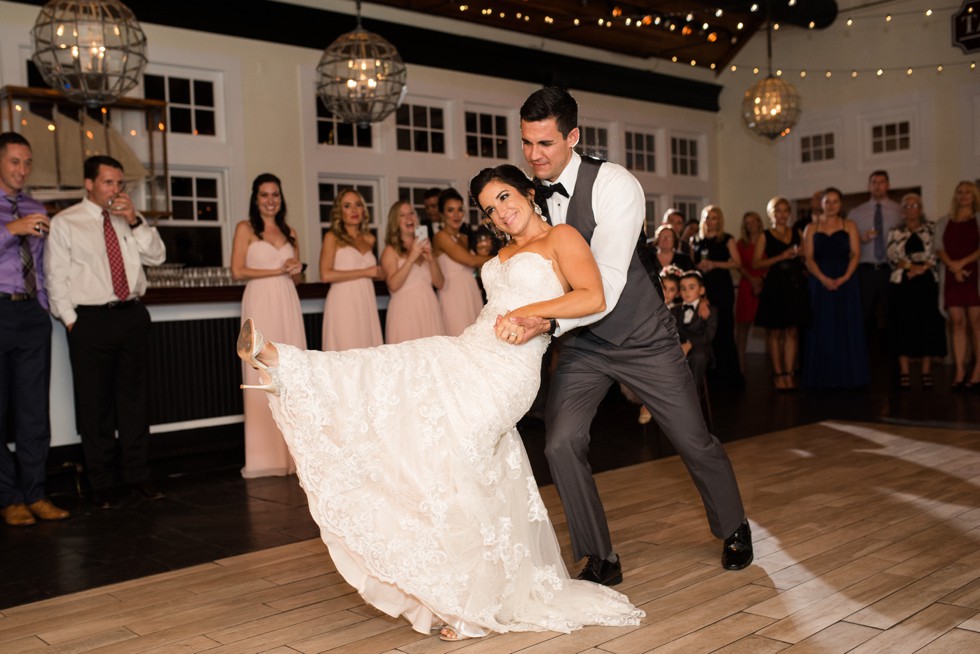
292 266
516 328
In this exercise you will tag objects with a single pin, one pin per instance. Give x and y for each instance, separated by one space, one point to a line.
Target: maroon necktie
120 285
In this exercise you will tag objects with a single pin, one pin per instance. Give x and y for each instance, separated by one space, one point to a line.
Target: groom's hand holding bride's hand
523 328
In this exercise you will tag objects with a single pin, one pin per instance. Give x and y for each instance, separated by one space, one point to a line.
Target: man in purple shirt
25 342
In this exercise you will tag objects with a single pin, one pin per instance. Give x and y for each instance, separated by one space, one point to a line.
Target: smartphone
421 233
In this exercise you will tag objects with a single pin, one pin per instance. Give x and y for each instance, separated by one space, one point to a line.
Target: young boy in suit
695 331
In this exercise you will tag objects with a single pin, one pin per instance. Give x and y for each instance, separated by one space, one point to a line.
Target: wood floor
867 539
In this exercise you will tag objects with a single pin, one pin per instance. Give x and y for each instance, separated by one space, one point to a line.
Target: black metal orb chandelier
92 51
771 108
361 77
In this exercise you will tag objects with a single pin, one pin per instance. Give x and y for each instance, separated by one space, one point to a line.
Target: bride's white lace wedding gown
419 481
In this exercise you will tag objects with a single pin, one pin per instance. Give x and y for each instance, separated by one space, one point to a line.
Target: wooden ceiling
709 34
659 30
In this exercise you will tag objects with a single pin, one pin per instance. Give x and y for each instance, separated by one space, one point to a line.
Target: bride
409 454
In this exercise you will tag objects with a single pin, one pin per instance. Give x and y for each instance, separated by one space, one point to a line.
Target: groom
634 341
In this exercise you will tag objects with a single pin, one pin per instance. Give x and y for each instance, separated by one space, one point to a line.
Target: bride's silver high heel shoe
250 344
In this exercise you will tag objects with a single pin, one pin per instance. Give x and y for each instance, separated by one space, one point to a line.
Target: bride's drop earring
537 210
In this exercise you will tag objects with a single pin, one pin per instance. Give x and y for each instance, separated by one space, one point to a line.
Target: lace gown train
419 481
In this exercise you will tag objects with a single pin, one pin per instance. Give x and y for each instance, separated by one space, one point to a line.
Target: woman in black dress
715 255
784 306
916 329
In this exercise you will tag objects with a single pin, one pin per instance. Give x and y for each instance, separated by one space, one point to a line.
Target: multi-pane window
332 131
817 147
192 231
190 102
684 156
194 198
420 128
486 135
891 137
594 142
328 190
641 152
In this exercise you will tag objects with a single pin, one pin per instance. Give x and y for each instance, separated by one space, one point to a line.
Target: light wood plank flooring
867 539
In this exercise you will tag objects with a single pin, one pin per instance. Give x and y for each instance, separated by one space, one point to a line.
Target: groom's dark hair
552 102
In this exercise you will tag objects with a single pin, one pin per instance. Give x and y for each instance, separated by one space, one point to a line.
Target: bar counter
194 372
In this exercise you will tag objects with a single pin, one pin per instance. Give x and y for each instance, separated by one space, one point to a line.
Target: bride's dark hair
506 174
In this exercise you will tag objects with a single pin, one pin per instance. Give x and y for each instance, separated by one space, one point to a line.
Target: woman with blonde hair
958 246
347 262
411 272
716 256
784 305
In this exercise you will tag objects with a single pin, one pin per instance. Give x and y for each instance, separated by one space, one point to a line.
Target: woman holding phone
411 273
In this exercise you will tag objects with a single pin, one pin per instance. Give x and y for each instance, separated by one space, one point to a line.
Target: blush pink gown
273 304
459 296
350 312
413 310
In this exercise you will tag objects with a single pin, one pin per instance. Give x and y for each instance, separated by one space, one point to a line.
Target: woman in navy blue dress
836 355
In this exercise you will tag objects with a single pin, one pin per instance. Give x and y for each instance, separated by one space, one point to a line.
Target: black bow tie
688 306
545 192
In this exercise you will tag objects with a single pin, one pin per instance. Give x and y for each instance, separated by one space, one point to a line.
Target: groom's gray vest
641 297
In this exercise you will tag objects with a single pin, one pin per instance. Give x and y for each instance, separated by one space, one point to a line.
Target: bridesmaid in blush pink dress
459 296
411 273
347 262
266 254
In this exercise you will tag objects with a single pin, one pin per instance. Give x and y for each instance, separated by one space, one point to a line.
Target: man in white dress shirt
94 269
873 219
634 342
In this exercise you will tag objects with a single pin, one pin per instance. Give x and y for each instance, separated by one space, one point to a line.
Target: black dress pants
25 373
108 348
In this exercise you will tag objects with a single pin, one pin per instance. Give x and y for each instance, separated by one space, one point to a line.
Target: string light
877 72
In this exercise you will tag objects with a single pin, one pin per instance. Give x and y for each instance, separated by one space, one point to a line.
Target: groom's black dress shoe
737 553
601 571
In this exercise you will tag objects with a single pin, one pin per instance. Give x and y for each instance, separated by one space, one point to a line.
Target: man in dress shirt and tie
94 267
873 219
25 342
634 342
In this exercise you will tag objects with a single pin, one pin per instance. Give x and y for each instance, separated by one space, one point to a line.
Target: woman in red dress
958 246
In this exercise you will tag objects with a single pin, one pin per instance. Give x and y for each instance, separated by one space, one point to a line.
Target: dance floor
867 539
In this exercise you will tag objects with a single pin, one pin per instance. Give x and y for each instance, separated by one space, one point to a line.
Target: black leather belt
118 304
16 297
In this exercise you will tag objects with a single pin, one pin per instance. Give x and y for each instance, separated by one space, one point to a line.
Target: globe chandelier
771 108
92 51
361 77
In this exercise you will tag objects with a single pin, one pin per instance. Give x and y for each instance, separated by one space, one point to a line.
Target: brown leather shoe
45 510
17 515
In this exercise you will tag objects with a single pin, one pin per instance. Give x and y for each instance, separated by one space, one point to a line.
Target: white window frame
497 113
216 78
446 130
